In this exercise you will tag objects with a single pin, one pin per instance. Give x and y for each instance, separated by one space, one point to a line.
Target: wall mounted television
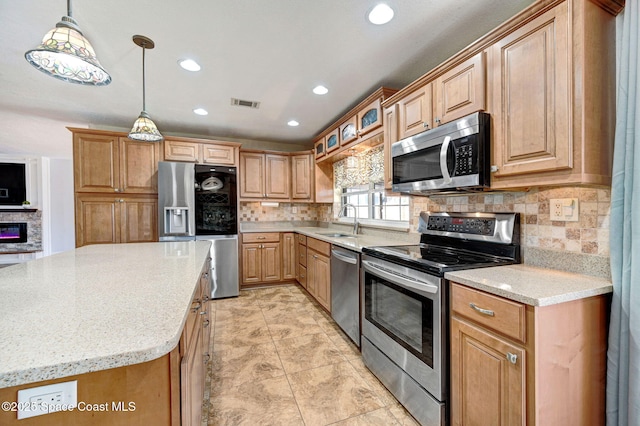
13 184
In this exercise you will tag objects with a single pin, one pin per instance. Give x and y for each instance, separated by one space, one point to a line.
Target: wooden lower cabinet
318 271
108 219
166 391
527 365
489 390
289 259
262 258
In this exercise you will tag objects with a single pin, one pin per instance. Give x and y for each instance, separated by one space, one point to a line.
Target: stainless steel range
405 332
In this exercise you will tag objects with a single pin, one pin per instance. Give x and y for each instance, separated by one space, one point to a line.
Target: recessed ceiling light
381 14
293 123
201 111
320 90
189 64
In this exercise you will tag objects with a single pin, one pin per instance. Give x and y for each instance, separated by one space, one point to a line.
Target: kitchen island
109 316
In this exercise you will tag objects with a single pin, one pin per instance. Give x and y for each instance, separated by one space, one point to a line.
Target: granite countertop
95 308
351 242
532 285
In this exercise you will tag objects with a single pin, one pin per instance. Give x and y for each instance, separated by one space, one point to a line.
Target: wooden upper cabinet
181 151
301 177
201 151
551 96
530 75
113 164
459 91
252 175
332 141
390 137
361 124
265 176
319 148
96 162
370 118
219 154
139 166
277 184
415 114
349 131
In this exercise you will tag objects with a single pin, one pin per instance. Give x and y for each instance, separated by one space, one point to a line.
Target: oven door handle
444 150
411 283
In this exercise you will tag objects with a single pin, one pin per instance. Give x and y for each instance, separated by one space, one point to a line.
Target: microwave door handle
444 149
419 286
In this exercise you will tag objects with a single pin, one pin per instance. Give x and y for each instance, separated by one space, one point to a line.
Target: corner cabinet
552 98
512 364
116 189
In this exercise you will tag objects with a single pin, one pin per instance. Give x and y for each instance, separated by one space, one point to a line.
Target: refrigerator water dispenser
176 220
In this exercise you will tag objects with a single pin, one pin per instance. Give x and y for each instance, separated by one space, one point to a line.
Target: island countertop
95 308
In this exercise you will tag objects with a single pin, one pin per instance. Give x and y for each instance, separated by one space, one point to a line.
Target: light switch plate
564 209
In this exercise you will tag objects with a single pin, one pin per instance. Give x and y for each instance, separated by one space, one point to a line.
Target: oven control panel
464 225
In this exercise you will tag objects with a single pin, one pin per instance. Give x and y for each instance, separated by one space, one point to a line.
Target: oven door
403 316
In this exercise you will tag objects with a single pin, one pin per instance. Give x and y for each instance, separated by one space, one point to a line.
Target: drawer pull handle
512 358
262 238
482 311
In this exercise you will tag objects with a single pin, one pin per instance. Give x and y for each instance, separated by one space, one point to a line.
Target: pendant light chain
69 9
144 84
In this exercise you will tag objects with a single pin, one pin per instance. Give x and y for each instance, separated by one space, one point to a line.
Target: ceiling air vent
243 103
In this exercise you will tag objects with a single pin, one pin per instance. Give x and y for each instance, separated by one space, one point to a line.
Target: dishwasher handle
344 258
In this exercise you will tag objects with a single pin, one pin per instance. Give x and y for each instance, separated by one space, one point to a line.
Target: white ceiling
273 52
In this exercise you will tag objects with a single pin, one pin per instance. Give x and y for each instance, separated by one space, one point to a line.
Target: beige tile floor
279 359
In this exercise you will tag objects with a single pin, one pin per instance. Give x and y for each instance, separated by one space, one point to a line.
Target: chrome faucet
355 216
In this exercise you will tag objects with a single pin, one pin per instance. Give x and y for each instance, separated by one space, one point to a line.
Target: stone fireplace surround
34 231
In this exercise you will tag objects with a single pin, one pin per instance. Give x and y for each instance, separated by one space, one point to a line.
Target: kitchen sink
335 235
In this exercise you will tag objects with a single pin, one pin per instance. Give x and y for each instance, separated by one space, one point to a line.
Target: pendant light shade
67 55
144 129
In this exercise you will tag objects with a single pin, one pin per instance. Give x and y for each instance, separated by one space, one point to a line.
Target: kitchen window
358 179
372 202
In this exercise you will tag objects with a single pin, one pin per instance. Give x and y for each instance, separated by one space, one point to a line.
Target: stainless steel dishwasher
345 291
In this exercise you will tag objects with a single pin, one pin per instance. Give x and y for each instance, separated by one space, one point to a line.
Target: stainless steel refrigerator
200 202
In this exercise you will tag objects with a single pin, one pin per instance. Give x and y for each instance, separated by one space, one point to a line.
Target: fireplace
13 232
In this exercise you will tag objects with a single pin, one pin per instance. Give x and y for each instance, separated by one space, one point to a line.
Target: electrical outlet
564 209
47 399
294 210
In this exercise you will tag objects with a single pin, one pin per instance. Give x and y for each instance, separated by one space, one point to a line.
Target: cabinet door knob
206 323
512 358
437 120
117 189
494 168
482 311
425 125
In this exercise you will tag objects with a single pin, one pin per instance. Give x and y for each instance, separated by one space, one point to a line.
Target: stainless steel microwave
452 157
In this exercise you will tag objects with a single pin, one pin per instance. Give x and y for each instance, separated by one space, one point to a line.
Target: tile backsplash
590 235
255 211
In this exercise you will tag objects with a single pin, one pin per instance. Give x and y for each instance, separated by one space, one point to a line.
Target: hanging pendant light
352 161
67 55
144 129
